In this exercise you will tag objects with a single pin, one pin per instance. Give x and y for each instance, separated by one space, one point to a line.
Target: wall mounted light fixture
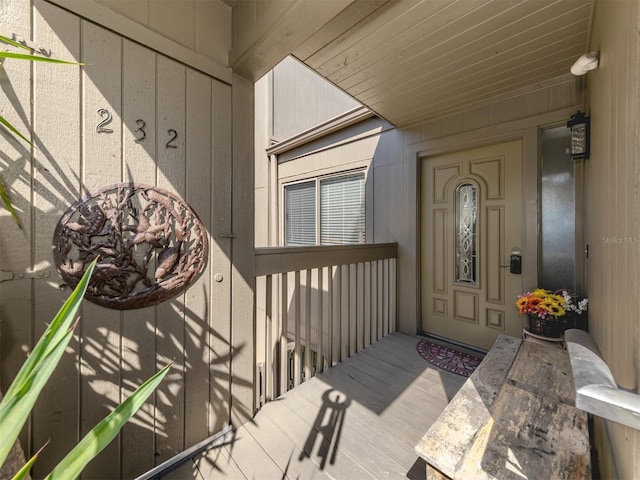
580 126
588 61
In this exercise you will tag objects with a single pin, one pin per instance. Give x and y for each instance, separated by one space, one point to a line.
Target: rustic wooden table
514 418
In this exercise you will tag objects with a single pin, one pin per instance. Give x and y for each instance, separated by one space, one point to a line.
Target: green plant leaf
13 42
99 437
35 58
15 409
36 370
24 471
7 202
61 323
6 123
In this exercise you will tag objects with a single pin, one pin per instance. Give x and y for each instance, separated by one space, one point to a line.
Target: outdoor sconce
580 135
587 62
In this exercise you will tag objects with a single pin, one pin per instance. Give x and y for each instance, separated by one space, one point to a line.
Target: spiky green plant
4 195
21 396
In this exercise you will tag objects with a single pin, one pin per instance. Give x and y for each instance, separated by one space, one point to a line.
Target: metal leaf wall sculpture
151 245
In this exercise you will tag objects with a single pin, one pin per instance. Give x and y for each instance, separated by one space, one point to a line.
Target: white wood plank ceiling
412 60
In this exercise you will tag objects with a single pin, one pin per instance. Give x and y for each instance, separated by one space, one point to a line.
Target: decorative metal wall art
151 245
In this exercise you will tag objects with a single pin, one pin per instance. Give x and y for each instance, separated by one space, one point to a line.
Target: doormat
448 359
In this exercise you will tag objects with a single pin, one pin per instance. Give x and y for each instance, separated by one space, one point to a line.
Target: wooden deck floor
360 419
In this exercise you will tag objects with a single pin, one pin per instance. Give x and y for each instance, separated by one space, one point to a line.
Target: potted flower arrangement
547 310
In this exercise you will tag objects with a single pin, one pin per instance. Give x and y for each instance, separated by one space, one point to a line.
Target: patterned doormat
448 359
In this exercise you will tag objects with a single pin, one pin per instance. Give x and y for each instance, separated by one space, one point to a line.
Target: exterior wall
396 169
197 33
318 158
191 24
333 155
303 99
289 100
262 140
327 159
241 212
612 192
392 159
211 168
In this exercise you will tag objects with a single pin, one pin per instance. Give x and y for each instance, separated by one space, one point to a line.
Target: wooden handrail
317 306
272 260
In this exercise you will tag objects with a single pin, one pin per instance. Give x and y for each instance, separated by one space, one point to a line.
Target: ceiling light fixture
588 61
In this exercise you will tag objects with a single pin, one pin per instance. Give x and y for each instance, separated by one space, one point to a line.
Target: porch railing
317 306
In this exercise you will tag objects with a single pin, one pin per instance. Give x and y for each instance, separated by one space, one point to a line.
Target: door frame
530 198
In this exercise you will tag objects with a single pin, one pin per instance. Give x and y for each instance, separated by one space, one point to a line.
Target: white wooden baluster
353 304
367 303
360 305
307 325
284 327
297 354
380 299
332 316
268 354
385 299
392 294
319 328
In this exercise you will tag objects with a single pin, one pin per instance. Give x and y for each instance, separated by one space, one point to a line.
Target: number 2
173 135
106 115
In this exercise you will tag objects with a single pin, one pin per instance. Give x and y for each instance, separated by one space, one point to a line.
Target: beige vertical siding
262 137
197 33
303 99
136 62
16 297
613 220
187 23
290 99
115 351
242 274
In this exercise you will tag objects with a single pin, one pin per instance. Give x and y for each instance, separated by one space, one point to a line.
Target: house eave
346 119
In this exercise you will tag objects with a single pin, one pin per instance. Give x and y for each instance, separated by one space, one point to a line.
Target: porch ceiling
413 60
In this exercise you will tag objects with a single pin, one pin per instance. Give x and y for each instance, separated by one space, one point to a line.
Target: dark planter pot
546 328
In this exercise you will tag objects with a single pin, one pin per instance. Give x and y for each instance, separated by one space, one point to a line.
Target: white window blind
300 213
342 212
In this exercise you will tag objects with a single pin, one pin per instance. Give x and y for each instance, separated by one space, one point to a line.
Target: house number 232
141 133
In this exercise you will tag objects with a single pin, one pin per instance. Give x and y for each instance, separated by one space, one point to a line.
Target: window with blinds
300 214
342 210
339 211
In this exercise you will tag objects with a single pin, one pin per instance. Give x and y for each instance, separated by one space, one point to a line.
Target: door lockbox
515 263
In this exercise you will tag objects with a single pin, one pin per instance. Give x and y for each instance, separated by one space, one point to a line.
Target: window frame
317 181
284 210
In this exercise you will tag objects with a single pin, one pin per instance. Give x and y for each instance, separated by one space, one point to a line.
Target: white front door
471 223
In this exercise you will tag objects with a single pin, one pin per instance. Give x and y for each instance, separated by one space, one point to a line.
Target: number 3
140 129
